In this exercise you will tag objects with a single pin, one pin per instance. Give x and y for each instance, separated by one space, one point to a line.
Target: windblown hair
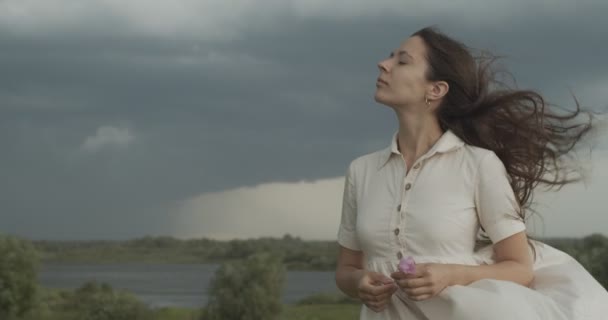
533 141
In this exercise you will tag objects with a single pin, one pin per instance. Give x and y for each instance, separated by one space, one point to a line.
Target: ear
437 90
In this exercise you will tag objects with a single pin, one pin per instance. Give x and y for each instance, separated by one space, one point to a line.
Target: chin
378 98
393 103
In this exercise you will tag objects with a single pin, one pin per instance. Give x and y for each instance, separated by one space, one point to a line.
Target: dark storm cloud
279 99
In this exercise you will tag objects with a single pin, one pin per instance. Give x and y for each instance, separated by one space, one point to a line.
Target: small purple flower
407 265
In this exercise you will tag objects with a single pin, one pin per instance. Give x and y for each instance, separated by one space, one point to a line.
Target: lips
382 81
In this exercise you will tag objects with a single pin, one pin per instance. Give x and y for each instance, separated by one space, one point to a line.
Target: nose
382 66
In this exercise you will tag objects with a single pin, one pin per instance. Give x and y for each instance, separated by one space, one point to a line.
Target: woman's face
404 72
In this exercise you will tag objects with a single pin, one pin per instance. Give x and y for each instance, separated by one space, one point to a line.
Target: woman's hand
375 290
428 280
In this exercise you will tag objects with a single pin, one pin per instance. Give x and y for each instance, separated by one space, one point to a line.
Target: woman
453 190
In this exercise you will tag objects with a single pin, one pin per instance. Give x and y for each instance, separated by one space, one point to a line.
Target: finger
384 297
414 283
378 282
376 298
386 280
389 294
367 297
367 289
418 291
401 276
376 290
407 283
421 297
379 278
420 271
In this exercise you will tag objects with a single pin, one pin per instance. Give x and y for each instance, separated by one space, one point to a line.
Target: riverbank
298 254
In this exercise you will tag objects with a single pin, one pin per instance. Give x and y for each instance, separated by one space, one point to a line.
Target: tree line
297 254
252 270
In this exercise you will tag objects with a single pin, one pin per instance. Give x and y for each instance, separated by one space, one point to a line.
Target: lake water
179 285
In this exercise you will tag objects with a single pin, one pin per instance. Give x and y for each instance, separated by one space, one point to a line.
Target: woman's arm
499 214
373 289
513 263
349 271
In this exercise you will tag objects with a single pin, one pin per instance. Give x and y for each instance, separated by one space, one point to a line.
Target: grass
319 306
320 312
290 312
172 313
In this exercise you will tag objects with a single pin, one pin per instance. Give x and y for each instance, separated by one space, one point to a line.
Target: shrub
93 301
18 276
249 289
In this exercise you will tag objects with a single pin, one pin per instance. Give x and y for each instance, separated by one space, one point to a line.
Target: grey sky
125 118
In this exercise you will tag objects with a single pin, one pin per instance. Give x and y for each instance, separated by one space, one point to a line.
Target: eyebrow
403 52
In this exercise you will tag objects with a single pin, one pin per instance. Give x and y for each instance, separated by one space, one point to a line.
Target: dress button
408 186
397 231
399 255
417 166
399 208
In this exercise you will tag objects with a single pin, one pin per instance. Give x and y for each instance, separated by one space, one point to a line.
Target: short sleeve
497 206
347 236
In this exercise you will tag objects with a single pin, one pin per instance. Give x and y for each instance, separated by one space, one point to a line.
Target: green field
57 304
290 312
321 312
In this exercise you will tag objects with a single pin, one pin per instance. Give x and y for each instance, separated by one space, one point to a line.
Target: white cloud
108 136
307 209
311 210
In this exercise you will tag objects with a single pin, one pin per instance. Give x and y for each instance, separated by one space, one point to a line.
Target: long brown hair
533 141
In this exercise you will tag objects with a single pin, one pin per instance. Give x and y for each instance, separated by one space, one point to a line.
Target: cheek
412 87
412 81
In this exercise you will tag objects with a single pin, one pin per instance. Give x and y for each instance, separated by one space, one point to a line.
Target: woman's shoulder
485 160
369 160
477 154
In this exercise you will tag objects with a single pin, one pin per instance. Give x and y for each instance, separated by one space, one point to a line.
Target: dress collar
447 142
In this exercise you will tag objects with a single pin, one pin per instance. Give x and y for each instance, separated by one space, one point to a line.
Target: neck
417 133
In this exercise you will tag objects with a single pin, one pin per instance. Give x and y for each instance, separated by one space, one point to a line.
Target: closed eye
400 62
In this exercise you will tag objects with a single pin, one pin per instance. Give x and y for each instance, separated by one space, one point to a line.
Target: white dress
434 213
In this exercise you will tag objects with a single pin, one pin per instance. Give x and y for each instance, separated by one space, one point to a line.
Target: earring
428 104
